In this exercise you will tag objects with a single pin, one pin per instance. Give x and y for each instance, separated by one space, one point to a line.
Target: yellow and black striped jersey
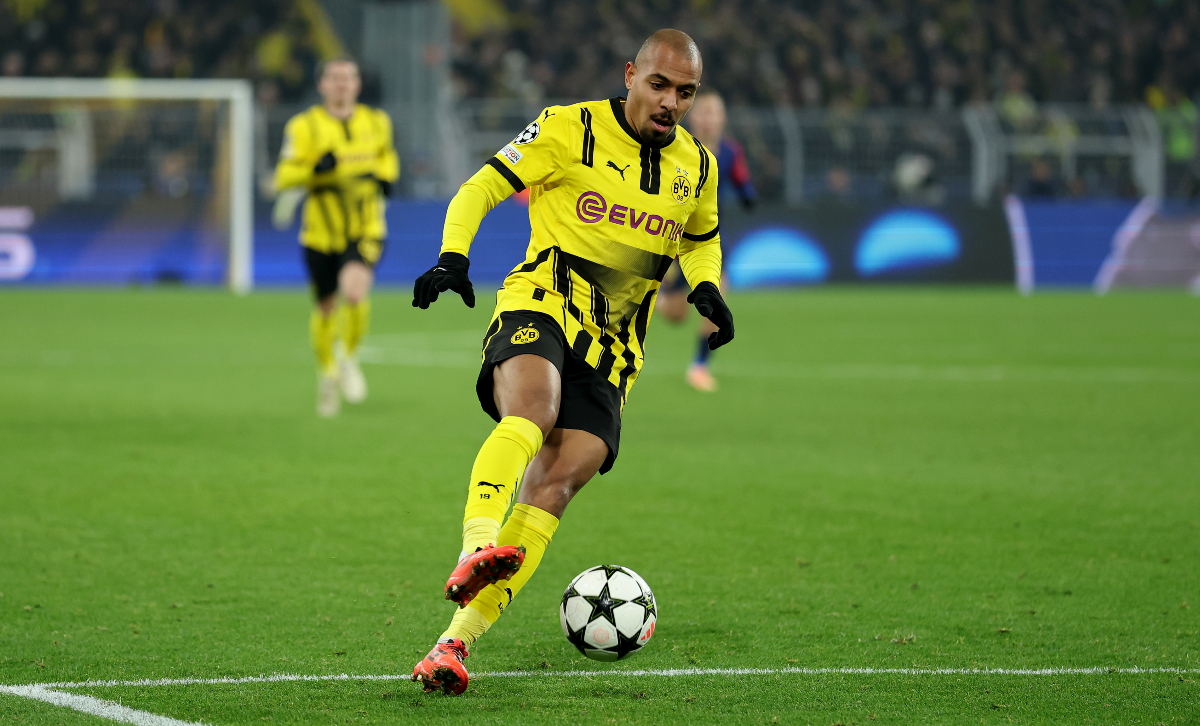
608 215
343 204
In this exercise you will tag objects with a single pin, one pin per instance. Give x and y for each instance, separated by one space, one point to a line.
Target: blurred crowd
922 53
274 42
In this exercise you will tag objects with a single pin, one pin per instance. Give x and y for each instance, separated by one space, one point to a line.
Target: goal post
68 136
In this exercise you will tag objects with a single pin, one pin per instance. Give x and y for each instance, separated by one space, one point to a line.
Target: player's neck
341 112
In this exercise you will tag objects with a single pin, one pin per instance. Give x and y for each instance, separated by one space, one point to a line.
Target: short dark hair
324 65
676 40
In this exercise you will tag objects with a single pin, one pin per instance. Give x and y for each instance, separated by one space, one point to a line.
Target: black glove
450 273
326 163
709 303
385 187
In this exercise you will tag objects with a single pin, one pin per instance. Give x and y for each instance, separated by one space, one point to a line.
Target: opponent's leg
698 375
322 334
673 305
354 320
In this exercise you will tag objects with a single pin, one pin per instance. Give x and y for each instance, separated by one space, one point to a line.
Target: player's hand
709 303
327 163
450 273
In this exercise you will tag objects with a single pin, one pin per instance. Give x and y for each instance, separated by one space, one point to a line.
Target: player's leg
568 460
698 375
524 392
355 280
672 295
322 271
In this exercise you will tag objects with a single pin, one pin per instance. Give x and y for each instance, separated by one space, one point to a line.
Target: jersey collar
619 114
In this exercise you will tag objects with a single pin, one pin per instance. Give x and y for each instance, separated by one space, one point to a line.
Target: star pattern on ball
603 604
625 646
610 570
647 601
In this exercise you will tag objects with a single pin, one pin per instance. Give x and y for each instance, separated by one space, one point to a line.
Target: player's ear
630 72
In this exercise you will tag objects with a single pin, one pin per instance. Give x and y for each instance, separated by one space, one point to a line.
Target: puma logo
497 487
619 169
548 114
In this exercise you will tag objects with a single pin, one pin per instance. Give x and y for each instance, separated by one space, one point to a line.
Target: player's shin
355 323
322 334
529 527
495 476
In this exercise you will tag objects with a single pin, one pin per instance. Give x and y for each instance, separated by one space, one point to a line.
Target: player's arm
296 157
539 155
700 260
387 166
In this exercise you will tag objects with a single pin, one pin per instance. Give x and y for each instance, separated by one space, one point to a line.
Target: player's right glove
450 273
709 303
327 163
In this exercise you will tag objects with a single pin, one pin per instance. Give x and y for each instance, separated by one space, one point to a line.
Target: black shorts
589 402
324 267
675 281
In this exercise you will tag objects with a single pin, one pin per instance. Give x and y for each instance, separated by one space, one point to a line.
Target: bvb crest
525 334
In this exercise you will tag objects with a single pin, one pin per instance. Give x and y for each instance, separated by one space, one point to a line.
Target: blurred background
1039 143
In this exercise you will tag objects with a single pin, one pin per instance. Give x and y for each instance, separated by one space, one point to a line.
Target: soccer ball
608 612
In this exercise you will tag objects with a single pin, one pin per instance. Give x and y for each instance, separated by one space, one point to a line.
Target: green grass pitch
888 478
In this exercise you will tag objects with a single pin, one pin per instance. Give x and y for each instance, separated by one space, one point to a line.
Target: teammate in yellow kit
341 155
617 189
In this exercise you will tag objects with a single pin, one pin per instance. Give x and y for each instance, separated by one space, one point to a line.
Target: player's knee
326 304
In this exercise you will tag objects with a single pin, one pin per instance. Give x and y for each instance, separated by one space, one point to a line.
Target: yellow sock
495 476
468 624
322 333
528 526
354 322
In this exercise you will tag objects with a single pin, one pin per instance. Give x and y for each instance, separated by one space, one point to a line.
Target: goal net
126 181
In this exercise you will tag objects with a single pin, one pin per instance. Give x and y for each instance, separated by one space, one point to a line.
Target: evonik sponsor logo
591 208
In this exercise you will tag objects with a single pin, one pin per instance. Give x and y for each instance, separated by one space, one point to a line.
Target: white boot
350 375
329 400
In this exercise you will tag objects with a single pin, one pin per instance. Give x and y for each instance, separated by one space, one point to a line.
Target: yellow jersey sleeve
467 209
296 160
388 165
536 157
700 247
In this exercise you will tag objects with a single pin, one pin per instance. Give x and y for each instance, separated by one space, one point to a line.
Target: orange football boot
482 568
443 669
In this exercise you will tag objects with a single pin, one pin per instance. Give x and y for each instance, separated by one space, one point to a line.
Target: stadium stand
274 42
939 53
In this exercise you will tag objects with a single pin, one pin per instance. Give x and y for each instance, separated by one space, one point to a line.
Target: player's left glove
709 303
450 273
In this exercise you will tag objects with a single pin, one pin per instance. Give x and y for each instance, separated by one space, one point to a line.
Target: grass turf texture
887 478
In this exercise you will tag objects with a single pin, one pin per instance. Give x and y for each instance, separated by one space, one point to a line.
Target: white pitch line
94 706
667 673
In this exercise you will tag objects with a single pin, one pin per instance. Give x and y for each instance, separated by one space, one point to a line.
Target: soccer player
707 122
341 154
617 189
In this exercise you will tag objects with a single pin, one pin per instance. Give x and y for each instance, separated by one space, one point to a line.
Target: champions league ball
608 612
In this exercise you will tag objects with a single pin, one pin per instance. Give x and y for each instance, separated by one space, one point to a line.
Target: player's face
660 93
707 119
340 84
